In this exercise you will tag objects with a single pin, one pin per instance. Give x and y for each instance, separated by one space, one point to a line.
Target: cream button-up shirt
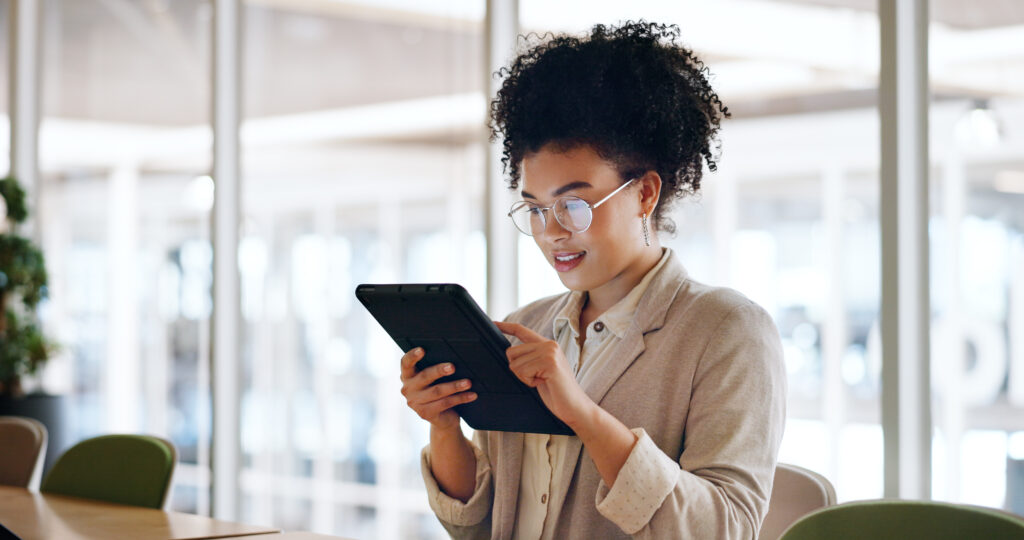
540 498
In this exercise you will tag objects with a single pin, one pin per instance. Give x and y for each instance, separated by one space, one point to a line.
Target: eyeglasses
572 213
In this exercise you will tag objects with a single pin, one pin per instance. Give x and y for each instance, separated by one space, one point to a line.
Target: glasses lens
529 219
573 213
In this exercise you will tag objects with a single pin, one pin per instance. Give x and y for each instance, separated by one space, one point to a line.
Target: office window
124 154
791 217
5 126
977 253
363 160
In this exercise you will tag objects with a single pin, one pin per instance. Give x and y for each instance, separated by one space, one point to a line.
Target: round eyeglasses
572 213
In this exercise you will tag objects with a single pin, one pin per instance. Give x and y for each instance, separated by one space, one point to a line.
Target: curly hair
632 93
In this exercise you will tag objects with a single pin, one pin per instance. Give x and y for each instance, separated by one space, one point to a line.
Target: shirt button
544 498
598 326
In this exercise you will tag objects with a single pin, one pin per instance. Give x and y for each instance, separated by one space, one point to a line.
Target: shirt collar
569 315
619 317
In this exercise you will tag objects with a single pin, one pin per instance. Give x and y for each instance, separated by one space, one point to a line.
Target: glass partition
363 158
5 126
977 254
124 154
791 217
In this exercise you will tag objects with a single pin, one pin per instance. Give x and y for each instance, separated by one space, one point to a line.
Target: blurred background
364 154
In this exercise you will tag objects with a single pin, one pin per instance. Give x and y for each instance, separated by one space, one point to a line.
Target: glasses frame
543 209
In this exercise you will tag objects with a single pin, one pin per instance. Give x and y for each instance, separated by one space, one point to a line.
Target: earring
647 236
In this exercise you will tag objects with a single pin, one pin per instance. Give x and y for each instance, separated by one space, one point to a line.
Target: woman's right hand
433 403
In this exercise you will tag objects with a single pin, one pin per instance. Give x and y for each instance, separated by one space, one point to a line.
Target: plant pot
50 410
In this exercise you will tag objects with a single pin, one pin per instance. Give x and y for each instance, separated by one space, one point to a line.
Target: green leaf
14 199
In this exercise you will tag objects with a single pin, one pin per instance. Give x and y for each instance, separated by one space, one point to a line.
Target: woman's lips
567 261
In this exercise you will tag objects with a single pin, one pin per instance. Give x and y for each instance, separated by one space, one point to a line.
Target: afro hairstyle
636 96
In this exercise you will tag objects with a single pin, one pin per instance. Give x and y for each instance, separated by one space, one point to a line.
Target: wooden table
37 516
291 536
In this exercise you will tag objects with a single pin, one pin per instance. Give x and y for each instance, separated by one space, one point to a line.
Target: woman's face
607 254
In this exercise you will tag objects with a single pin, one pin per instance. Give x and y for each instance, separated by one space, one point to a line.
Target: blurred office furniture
126 469
22 446
906 520
1015 485
34 515
796 492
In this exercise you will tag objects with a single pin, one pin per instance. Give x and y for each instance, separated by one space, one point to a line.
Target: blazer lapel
626 353
650 316
506 492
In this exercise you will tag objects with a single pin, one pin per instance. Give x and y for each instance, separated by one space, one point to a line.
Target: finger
431 410
414 385
546 347
523 333
427 376
409 360
441 391
529 368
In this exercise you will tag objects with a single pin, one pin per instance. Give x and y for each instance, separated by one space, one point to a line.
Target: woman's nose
553 229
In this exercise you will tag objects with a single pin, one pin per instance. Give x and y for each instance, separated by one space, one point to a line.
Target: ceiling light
979 128
198 194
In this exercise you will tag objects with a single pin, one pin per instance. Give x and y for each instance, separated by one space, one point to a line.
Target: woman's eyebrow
568 187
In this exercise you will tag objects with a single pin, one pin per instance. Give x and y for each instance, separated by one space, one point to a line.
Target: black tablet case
444 320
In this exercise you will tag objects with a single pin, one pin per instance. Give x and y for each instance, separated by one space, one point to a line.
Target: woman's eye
574 204
534 210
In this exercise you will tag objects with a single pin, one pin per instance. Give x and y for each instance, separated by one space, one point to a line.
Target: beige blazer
701 371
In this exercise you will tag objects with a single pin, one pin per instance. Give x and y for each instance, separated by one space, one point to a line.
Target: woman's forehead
550 172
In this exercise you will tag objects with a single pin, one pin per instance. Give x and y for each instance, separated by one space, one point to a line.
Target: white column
833 342
724 222
322 329
500 29
950 360
268 345
1015 321
156 355
227 309
903 106
204 443
122 368
388 460
23 98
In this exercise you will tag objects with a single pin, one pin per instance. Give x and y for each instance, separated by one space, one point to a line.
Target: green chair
126 469
906 520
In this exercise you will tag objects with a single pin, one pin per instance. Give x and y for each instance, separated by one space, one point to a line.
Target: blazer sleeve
720 485
471 519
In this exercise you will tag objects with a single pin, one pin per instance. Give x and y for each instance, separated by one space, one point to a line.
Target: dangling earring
647 235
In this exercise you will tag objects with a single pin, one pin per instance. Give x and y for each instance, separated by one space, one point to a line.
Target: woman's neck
601 299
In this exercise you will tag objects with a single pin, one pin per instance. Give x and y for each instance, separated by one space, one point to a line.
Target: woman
675 390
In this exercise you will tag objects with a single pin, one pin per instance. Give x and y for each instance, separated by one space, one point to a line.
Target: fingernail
448 368
418 350
463 384
471 396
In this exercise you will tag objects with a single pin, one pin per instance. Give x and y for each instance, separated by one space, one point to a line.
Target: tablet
444 320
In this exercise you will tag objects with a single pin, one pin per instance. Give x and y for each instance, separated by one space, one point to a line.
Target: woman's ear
650 191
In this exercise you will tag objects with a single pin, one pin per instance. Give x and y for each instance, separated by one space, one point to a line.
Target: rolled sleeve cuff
454 511
643 482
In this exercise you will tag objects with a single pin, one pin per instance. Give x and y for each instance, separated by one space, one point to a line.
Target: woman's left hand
541 364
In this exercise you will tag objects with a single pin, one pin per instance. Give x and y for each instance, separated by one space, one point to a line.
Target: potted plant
23 347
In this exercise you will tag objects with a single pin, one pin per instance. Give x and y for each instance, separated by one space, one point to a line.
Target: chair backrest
796 492
126 469
22 447
906 520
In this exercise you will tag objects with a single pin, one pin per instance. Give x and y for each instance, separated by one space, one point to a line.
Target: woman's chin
573 282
